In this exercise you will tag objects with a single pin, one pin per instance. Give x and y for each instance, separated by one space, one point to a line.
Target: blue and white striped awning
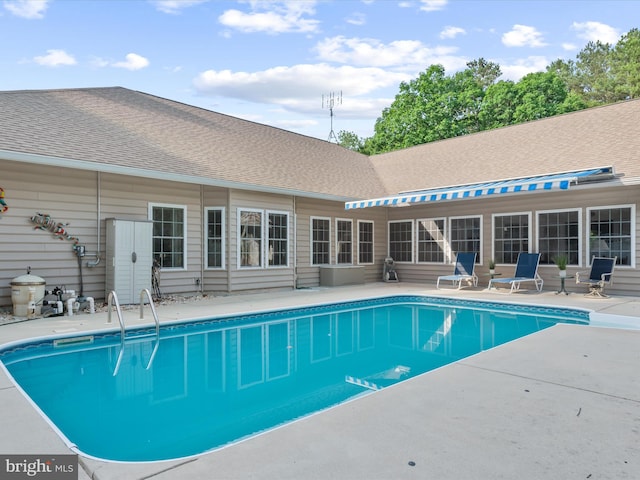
540 183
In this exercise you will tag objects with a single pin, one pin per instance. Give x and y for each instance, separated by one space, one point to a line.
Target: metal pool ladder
113 297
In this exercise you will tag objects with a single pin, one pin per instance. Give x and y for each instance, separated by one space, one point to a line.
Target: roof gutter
38 159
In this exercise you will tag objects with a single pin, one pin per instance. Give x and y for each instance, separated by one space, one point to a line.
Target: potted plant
561 262
492 266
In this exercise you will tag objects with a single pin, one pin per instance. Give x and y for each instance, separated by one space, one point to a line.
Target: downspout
95 262
228 233
202 238
295 244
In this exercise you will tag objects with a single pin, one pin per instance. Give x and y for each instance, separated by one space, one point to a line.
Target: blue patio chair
526 271
463 271
599 276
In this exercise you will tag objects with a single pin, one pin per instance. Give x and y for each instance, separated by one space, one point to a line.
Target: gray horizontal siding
75 197
129 198
68 196
245 279
309 275
626 280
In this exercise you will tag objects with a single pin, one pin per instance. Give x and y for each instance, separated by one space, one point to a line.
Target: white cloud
273 17
99 62
175 6
290 87
594 31
569 47
402 54
133 62
523 36
452 32
55 58
432 5
523 67
357 19
31 9
293 124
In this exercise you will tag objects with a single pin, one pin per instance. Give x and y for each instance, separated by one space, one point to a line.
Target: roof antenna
330 101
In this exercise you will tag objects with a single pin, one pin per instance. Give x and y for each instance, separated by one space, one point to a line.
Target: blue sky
274 62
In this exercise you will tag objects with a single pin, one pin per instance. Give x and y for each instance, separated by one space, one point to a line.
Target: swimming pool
205 384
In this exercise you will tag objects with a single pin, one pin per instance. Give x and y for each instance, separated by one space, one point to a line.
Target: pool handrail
155 318
152 306
114 297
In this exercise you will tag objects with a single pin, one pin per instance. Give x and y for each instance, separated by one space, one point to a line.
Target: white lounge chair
463 271
526 271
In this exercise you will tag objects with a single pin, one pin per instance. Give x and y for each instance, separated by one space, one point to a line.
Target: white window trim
239 211
412 235
337 242
223 215
311 219
580 233
631 206
446 247
264 238
449 241
373 245
265 220
150 208
493 232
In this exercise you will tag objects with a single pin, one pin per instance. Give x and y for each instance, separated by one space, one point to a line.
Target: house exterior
238 206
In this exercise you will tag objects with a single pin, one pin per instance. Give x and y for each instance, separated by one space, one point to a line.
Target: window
401 241
465 234
365 242
250 223
431 240
559 234
254 238
510 236
344 241
169 235
611 233
278 239
214 241
320 241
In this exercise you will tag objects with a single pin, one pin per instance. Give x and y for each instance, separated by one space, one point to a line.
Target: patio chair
599 276
463 270
526 271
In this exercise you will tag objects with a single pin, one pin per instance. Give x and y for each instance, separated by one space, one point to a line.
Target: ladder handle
113 297
153 308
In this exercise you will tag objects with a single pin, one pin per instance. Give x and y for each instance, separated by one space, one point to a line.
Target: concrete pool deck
562 403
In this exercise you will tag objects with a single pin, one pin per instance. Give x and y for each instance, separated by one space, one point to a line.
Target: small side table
492 275
562 288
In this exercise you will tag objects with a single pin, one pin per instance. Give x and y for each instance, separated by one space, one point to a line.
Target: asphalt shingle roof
121 127
124 128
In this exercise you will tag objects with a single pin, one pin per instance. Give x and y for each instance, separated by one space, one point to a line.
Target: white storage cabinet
129 258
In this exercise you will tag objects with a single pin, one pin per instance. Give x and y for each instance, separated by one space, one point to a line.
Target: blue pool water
205 384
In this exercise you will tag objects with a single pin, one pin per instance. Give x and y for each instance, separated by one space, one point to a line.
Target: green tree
486 73
539 95
566 70
434 106
594 74
499 105
350 140
625 65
